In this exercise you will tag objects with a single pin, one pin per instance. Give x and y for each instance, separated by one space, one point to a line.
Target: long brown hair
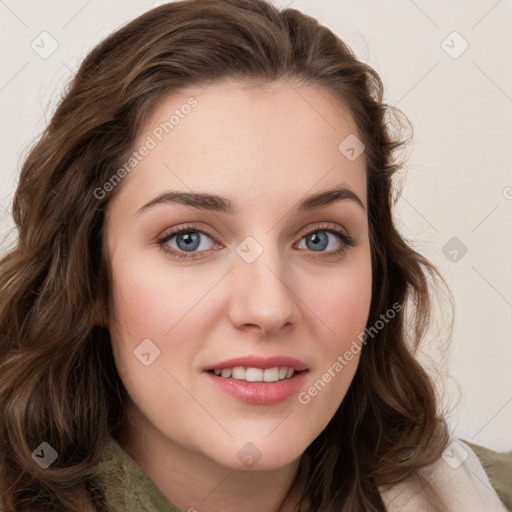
58 380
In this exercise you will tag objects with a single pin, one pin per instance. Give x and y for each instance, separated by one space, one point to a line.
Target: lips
258 380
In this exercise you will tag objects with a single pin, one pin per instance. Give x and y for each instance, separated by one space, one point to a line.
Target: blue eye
186 242
319 240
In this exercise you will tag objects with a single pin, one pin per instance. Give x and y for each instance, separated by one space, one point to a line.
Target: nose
262 297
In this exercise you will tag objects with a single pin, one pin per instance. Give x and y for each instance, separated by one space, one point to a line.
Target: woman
209 307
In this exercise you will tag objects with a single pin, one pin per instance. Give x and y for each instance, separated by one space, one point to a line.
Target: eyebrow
216 203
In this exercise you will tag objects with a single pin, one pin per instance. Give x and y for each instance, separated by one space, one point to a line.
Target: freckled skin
265 148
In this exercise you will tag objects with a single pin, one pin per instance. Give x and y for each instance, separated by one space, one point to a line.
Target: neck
194 483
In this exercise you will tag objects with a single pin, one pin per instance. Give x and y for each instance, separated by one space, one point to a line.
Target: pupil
191 240
319 240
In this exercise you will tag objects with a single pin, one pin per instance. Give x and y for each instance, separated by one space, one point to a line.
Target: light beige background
458 180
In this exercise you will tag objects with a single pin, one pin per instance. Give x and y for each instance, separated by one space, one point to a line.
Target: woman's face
259 275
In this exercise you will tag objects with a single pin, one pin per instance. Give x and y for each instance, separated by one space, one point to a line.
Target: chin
257 455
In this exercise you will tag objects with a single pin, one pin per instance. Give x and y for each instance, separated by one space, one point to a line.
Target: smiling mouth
258 380
250 374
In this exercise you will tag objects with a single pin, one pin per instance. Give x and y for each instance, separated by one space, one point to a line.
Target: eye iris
191 241
319 239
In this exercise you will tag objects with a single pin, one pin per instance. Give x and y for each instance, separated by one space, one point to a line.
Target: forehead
251 141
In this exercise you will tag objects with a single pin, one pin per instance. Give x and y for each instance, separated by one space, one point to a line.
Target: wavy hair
58 380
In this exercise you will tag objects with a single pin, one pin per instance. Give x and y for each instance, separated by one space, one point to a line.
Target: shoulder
458 479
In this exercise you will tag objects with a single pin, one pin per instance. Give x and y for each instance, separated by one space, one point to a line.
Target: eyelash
347 241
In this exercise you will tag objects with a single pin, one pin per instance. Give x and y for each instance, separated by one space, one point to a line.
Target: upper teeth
256 374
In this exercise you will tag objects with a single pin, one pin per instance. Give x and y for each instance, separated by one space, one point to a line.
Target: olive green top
498 467
128 488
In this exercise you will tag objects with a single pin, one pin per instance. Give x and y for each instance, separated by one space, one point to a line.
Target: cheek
341 306
167 306
340 300
154 332
150 300
147 303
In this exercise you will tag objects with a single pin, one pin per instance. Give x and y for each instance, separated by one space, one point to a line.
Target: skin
265 147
